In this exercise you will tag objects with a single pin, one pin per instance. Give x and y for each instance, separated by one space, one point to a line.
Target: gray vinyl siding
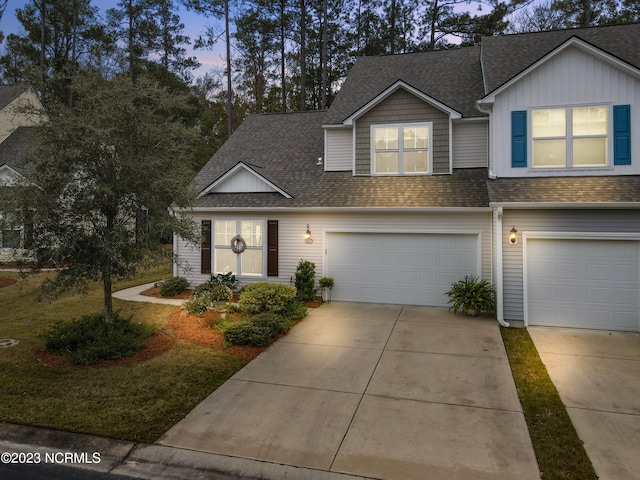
574 221
338 149
403 107
292 226
470 144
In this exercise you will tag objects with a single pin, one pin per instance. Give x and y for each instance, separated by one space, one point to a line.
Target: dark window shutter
272 248
519 138
205 249
622 135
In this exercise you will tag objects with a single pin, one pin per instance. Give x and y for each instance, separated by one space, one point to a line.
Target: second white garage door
583 283
411 269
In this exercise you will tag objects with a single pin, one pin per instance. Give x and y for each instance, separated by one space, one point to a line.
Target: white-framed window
401 149
570 137
248 263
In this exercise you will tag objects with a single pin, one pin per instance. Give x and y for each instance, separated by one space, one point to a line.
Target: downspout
489 112
497 222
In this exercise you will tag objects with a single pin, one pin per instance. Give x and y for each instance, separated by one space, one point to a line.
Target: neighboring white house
20 109
517 160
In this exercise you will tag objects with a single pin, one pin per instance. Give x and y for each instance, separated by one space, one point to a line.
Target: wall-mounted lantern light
513 236
307 236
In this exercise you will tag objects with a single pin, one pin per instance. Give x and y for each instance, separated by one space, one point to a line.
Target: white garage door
411 269
583 283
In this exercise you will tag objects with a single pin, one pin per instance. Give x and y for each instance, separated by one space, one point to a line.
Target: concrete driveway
380 391
597 374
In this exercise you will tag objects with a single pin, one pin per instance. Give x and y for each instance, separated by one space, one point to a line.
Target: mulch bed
180 326
5 282
155 345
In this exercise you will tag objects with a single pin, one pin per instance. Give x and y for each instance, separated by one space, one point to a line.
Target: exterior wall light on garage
513 236
307 236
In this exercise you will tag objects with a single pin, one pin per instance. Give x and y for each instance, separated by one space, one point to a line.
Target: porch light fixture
307 236
513 236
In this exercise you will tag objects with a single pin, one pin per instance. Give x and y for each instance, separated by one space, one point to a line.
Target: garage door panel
583 283
413 269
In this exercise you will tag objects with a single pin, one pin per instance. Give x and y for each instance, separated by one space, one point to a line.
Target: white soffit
242 179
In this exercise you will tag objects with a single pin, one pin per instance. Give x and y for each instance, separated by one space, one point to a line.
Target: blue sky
195 25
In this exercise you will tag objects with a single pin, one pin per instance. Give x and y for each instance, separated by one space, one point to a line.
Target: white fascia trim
526 235
567 205
393 88
572 42
233 170
342 209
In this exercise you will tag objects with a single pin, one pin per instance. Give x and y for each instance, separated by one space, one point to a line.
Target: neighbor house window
401 149
11 238
569 137
251 261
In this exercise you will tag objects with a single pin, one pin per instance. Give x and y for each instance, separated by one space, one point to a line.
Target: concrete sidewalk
379 391
133 294
597 374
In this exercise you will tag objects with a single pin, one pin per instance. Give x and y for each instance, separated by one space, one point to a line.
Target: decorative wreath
238 244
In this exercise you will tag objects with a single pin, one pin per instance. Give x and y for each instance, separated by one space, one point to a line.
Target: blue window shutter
519 138
622 135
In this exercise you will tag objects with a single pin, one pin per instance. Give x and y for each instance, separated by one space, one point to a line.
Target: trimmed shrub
198 303
226 279
221 293
247 333
295 311
305 280
89 339
173 286
265 296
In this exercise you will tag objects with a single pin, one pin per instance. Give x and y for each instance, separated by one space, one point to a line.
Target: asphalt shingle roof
621 188
8 93
13 148
453 77
284 149
505 56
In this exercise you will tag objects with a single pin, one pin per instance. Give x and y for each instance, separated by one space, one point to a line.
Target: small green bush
295 311
305 280
173 286
221 293
472 294
226 279
89 339
198 303
247 333
265 296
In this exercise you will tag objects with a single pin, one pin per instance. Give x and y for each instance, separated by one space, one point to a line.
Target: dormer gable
243 178
401 131
19 107
8 175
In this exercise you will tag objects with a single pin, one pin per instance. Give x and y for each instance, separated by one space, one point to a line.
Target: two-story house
515 160
20 109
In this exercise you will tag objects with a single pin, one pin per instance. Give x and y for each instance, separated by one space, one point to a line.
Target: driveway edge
139 460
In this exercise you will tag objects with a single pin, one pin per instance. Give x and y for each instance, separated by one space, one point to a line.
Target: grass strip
560 452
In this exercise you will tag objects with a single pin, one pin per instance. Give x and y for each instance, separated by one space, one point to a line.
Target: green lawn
135 402
559 450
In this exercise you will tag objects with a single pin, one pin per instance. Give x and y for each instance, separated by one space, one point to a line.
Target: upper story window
401 149
570 137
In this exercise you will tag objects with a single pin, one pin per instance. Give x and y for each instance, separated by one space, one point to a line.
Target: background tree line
282 55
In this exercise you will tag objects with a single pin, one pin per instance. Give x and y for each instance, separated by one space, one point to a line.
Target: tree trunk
107 282
303 55
282 56
393 27
229 91
131 40
43 71
325 57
